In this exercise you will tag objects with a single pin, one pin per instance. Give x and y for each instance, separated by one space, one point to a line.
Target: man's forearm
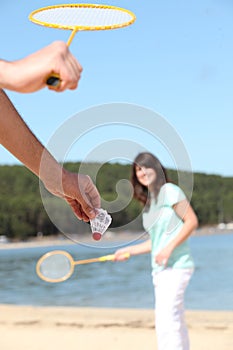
18 139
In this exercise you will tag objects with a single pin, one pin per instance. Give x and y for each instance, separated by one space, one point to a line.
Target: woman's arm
184 210
141 248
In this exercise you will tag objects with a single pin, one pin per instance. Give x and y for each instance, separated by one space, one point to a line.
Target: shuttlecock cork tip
96 236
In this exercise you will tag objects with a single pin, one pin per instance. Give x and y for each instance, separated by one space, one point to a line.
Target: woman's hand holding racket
122 254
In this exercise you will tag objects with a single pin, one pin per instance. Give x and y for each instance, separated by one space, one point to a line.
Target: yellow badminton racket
58 265
78 17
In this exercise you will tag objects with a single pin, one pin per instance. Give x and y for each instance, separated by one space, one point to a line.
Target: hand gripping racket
77 17
58 265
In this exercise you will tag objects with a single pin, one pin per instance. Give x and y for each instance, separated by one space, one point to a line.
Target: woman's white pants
171 330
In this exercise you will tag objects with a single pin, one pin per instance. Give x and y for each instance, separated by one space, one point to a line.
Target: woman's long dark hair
148 160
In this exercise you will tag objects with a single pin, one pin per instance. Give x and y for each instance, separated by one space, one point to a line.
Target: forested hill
22 214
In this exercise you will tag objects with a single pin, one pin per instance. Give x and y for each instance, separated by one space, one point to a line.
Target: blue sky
176 60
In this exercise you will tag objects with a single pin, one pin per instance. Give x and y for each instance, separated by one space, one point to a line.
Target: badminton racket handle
53 80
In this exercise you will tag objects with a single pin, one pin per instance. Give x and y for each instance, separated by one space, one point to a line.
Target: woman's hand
122 254
163 256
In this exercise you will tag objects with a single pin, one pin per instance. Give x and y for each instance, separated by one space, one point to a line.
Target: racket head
78 17
56 266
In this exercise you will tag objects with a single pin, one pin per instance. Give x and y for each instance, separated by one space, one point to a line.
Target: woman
169 219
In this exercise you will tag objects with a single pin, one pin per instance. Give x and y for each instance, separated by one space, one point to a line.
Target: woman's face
146 176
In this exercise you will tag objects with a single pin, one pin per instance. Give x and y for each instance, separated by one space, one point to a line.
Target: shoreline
50 241
28 327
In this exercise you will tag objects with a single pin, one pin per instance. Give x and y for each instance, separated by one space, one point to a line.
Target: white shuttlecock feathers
100 224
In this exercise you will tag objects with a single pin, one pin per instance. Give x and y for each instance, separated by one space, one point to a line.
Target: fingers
71 77
88 211
84 206
69 71
81 194
121 255
78 210
92 194
161 261
90 199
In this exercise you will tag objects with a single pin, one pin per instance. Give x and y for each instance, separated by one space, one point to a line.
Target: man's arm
17 138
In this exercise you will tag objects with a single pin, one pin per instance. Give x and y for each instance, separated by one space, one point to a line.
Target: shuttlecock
100 224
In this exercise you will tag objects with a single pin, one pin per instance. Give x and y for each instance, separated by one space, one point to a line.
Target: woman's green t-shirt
163 224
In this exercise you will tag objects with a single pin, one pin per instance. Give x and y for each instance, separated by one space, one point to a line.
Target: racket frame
76 28
46 256
73 263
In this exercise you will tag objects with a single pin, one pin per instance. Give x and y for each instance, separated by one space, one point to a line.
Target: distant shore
50 241
36 328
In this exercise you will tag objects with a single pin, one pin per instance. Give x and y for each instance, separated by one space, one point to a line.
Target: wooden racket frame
73 263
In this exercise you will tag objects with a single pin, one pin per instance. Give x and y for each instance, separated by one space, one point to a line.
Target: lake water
118 284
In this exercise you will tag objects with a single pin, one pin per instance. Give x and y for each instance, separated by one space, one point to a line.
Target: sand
37 328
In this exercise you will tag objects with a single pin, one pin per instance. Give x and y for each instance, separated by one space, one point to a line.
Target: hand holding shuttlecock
100 224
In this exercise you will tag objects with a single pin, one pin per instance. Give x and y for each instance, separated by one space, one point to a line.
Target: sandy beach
37 328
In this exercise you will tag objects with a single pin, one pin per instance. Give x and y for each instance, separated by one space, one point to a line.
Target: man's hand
30 73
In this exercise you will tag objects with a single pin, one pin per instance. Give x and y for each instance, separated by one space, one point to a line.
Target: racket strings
55 267
83 17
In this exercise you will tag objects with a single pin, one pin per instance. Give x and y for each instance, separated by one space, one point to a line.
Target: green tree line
23 214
